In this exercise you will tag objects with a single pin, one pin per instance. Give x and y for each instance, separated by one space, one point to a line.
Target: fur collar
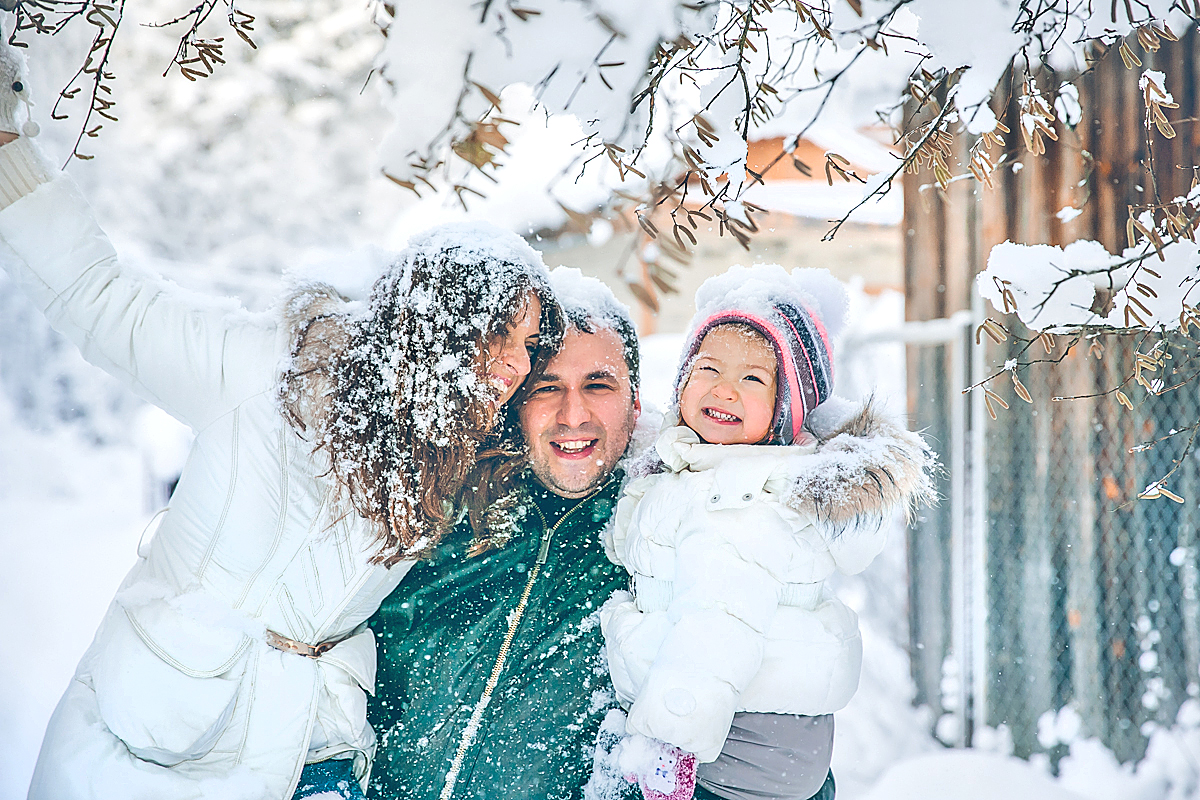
866 466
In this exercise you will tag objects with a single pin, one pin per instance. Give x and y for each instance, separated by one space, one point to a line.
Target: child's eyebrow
765 367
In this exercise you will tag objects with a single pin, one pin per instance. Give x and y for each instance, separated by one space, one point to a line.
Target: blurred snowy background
271 166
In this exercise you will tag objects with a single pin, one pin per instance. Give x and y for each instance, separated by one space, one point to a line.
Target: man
492 681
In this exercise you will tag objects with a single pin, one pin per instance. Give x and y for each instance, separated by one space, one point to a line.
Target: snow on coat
179 695
729 548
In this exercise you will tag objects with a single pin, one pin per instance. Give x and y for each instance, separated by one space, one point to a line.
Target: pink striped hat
793 326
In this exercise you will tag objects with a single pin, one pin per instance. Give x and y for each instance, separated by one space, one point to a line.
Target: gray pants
781 756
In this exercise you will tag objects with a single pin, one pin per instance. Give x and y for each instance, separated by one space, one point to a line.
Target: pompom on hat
797 313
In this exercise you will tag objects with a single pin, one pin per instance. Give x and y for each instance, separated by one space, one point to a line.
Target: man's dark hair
589 320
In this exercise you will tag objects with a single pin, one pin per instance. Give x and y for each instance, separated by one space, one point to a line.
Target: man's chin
569 482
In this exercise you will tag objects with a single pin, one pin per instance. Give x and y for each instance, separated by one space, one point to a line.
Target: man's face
579 414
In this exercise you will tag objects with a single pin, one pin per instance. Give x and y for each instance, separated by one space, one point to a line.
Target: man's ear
637 403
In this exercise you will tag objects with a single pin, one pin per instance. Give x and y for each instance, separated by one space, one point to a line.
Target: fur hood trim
307 302
863 470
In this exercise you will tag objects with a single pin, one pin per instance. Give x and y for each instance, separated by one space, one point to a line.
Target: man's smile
574 448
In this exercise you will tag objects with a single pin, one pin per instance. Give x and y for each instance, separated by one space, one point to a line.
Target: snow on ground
70 517
967 775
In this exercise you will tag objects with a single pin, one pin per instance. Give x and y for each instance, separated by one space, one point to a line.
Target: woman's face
509 356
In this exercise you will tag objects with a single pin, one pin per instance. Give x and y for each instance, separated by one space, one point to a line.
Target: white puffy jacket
730 613
179 695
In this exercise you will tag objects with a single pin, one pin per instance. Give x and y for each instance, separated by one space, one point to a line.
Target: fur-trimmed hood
865 466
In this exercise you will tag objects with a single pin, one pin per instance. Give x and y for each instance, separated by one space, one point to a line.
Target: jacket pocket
166 682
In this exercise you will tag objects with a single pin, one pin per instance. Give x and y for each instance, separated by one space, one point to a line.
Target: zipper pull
544 550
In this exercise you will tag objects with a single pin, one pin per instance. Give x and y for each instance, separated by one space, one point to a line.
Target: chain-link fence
1042 582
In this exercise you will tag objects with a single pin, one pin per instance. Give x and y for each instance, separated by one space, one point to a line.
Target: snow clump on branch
588 59
1058 289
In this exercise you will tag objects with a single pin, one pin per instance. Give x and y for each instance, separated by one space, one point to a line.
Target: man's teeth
574 447
721 415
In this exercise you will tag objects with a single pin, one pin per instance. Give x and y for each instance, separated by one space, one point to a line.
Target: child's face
730 396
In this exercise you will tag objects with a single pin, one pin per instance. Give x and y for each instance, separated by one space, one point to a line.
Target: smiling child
728 611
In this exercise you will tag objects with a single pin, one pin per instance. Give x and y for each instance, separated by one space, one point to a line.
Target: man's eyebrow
601 375
548 377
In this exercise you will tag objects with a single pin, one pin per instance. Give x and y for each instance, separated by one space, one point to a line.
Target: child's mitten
671 776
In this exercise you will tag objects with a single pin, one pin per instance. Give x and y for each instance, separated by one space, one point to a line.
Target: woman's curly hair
397 398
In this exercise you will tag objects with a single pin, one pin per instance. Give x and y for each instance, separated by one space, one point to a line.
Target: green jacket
438 637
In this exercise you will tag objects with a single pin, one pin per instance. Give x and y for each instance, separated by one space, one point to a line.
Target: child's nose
725 390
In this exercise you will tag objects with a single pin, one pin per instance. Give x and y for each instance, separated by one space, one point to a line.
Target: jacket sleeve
726 594
192 356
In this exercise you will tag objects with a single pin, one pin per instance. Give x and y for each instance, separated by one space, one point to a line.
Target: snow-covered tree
667 93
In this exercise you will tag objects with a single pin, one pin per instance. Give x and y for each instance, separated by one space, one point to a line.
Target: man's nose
574 411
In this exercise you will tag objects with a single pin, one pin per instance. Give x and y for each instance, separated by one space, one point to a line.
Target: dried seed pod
1170 495
1128 57
995 330
1020 389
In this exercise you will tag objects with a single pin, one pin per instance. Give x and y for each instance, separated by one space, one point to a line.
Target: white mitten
14 91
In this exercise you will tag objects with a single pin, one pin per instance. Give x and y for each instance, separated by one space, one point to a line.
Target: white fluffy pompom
754 289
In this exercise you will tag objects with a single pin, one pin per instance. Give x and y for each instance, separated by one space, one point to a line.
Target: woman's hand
14 91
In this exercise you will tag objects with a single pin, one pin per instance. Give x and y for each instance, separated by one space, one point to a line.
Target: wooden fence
1075 583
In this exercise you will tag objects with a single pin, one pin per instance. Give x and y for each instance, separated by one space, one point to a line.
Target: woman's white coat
179 696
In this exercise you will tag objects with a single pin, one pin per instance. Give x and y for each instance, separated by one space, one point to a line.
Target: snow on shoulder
755 289
587 299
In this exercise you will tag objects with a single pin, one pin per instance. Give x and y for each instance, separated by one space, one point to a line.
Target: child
728 612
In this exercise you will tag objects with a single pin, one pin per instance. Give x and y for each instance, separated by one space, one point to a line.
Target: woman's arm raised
194 357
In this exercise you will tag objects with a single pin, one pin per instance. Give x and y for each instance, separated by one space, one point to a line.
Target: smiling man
580 413
491 677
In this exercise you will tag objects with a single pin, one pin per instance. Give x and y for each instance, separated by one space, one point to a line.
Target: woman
330 444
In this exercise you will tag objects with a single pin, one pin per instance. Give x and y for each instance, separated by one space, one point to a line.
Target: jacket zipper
472 728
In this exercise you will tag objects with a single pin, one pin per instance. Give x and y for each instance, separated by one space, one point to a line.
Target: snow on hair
394 396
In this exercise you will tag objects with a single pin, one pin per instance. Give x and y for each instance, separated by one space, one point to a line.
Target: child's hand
665 772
